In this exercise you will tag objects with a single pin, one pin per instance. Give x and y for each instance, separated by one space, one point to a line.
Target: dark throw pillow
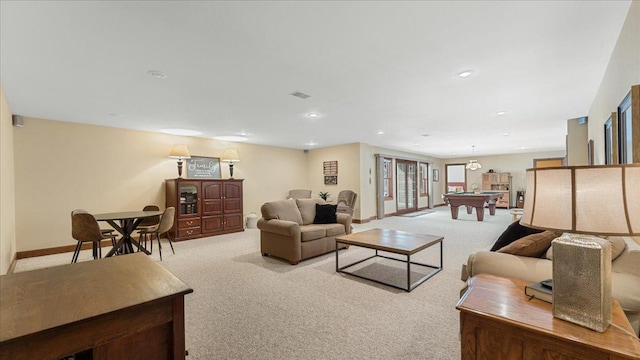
325 214
513 232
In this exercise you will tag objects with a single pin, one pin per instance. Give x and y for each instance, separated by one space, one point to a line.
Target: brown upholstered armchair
346 202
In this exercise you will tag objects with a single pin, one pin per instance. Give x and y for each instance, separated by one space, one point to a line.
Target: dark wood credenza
205 207
123 307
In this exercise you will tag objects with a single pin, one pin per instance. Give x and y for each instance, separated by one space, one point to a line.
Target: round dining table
126 222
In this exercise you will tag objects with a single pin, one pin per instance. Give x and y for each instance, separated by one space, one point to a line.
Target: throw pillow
513 232
534 245
307 209
325 214
281 209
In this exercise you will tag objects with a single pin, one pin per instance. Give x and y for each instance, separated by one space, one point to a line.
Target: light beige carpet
246 306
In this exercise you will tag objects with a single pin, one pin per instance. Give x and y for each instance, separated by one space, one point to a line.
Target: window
610 140
628 127
625 129
387 174
424 179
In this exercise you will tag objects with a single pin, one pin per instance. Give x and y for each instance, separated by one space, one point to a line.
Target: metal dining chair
166 223
85 228
148 226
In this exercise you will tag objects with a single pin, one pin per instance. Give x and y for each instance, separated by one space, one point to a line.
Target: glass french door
407 190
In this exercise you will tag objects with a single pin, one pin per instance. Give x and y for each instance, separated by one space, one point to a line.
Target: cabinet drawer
187 223
194 231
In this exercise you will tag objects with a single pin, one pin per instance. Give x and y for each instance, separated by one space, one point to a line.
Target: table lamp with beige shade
230 156
583 201
179 151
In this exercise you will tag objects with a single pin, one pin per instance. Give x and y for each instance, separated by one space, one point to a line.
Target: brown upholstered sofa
625 276
287 230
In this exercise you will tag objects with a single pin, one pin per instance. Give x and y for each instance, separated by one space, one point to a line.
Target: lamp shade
179 151
599 200
230 155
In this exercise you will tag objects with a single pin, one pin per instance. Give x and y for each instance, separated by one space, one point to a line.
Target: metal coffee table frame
410 286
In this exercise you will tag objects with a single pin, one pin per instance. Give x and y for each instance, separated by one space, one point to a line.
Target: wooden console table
124 307
498 321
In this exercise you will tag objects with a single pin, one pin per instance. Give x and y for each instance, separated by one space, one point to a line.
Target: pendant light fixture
473 165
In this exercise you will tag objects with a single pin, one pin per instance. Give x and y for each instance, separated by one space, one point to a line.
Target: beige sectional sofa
287 230
625 277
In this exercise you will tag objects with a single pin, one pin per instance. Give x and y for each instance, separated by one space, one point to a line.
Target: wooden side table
122 307
498 321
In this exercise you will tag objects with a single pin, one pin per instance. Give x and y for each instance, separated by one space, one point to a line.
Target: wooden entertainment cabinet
205 207
122 307
495 181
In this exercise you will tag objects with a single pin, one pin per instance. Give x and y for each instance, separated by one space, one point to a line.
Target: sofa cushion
617 245
282 210
534 245
629 261
325 214
333 229
307 209
513 232
311 232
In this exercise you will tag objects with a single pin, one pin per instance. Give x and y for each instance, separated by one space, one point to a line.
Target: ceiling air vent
300 95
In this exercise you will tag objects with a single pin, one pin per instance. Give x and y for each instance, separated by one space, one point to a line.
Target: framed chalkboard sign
200 167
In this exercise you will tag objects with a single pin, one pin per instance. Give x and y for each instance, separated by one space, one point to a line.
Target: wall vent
301 95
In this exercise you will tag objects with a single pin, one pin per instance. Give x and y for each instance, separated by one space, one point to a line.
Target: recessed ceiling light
454 153
243 134
230 138
466 73
521 148
500 113
312 115
505 134
183 132
380 132
157 74
425 135
416 144
311 143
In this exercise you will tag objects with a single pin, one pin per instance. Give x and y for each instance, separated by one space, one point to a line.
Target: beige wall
577 139
516 164
7 188
622 72
348 158
61 166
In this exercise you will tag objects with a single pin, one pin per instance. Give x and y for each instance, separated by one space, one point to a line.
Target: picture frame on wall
436 175
203 167
331 180
330 167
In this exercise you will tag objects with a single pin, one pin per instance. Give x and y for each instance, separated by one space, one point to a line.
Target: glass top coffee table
392 241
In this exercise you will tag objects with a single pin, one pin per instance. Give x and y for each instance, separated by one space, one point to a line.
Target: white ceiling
368 66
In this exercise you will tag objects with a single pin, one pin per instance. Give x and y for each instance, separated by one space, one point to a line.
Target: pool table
472 200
